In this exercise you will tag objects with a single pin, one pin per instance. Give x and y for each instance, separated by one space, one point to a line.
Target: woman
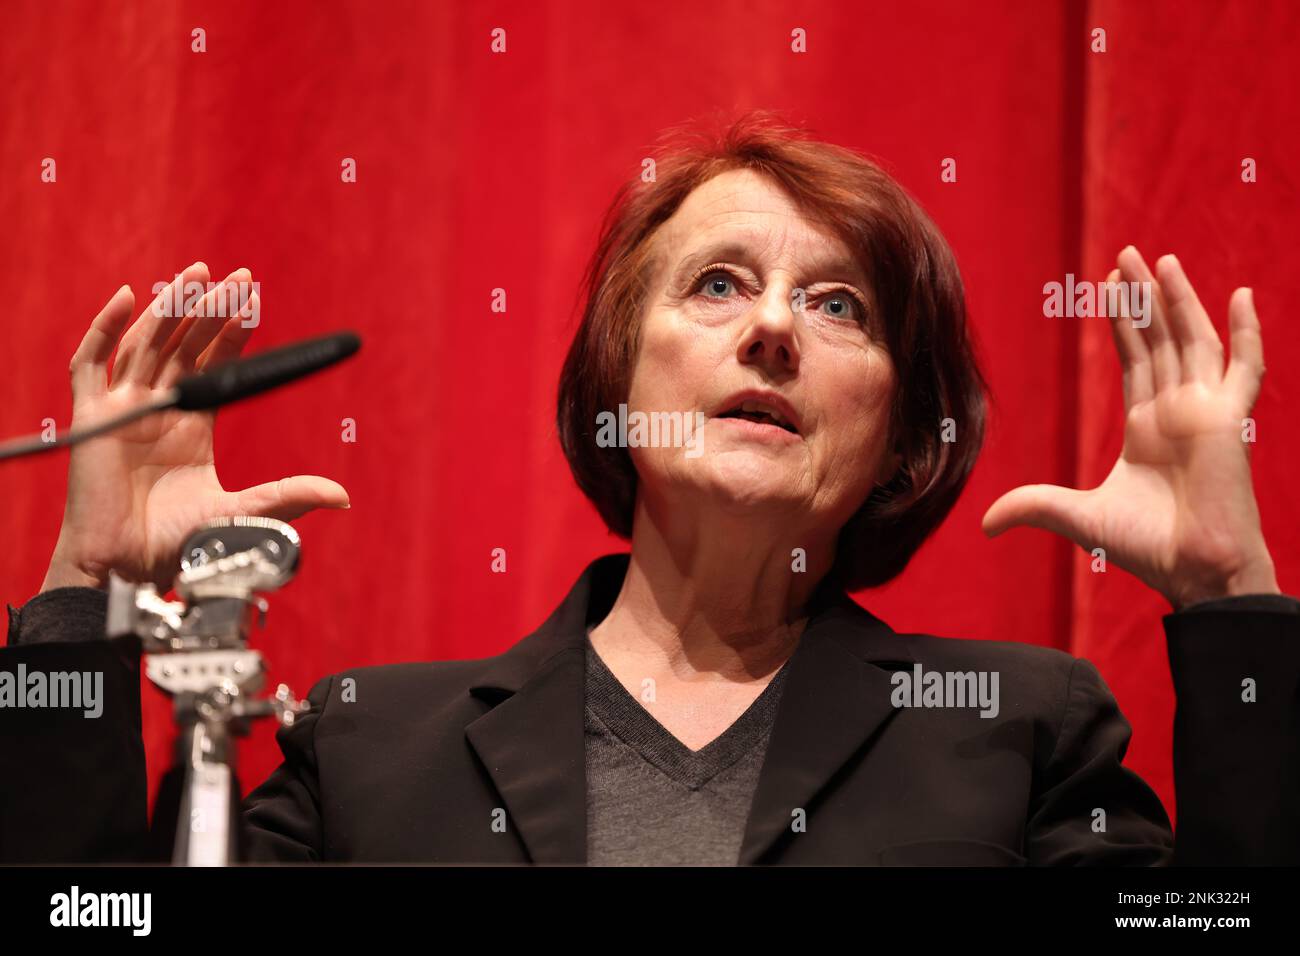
714 697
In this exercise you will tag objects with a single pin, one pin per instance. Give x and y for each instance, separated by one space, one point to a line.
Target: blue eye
846 306
713 280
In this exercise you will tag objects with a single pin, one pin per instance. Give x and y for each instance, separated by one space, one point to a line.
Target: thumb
290 498
1050 507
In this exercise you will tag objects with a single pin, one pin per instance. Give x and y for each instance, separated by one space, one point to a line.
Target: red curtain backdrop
479 170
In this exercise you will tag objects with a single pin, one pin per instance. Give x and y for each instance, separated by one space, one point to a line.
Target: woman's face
722 327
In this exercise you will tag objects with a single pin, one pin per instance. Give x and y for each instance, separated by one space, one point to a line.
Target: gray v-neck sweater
653 801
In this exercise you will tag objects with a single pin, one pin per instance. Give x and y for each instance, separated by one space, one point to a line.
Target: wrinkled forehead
743 216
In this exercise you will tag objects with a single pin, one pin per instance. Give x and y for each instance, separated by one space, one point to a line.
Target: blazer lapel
532 741
835 700
532 744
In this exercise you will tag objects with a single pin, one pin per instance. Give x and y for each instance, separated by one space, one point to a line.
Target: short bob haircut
917 291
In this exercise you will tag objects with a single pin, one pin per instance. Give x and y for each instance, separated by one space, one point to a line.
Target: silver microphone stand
196 650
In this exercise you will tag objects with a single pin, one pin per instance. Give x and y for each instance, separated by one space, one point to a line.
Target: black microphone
231 381
219 385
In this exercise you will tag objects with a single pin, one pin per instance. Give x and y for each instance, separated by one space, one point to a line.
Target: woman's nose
769 337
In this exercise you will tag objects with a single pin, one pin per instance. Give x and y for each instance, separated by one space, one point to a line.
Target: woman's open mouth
759 419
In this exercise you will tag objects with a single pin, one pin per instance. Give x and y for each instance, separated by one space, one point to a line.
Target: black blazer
418 765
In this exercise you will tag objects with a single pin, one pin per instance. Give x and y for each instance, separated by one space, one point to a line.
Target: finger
89 365
233 337
1246 368
1134 356
1050 507
137 357
290 498
203 323
1165 362
1200 347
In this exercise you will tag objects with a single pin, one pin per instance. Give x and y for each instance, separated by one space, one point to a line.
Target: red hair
917 290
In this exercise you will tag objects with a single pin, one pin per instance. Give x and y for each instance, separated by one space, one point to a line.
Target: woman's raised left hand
1177 510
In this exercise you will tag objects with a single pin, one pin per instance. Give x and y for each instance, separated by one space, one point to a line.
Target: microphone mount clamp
196 650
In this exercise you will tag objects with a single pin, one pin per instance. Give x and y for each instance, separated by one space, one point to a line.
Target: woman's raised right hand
135 494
